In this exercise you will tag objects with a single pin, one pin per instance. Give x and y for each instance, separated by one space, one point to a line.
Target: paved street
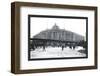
54 52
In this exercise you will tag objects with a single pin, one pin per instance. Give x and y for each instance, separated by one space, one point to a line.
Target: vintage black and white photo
52 37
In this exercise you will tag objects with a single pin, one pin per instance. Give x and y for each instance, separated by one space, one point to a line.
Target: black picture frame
62 17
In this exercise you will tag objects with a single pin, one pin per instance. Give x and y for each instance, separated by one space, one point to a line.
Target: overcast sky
39 24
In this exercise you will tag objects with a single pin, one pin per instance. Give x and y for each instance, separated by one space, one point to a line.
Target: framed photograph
52 37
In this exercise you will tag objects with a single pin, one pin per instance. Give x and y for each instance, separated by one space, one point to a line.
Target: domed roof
55 27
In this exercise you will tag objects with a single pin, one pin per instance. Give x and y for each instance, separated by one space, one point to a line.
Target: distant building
59 34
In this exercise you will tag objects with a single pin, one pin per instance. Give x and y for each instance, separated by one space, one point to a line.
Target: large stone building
59 34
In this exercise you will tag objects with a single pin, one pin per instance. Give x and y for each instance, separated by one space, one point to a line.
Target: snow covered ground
56 52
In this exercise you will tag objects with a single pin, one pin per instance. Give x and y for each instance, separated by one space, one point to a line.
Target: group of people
35 45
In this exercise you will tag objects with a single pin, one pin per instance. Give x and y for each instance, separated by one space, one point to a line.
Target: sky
39 24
